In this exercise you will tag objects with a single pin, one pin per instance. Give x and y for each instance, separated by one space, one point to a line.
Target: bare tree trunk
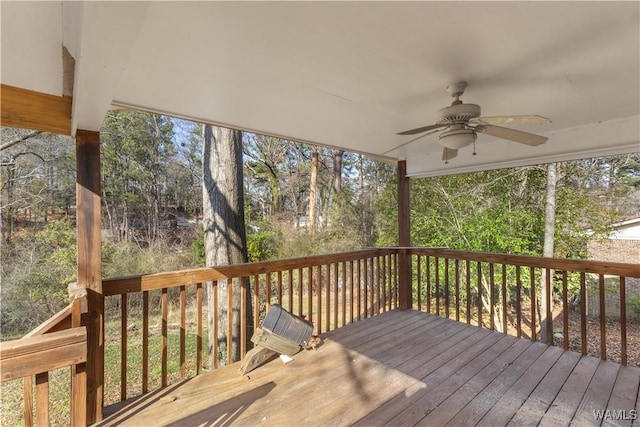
546 299
337 170
225 236
336 185
313 188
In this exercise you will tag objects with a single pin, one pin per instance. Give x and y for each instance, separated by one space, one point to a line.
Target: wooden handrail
147 282
42 353
580 266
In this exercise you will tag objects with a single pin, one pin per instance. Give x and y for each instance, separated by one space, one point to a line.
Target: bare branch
19 140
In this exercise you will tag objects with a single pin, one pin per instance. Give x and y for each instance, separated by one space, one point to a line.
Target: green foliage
262 244
36 274
197 249
496 211
127 258
634 303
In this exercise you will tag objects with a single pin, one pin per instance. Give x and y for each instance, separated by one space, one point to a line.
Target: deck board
485 400
400 368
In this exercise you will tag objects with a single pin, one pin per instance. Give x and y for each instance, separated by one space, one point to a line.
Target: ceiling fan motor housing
458 113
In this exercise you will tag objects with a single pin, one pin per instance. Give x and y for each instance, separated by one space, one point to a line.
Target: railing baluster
518 302
359 285
290 283
198 328
319 298
395 280
123 345
549 314
418 283
532 296
378 282
267 284
375 283
327 298
583 314
214 310
256 301
446 288
468 283
504 298
603 319
428 274
479 287
244 282
437 285
230 321
165 335
42 399
623 320
183 332
492 285
300 292
327 304
310 295
457 288
389 284
27 399
365 264
280 287
145 342
565 312
336 296
351 290
344 293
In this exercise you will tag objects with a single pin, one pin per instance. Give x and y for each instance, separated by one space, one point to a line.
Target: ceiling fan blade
512 134
448 154
507 120
409 142
422 129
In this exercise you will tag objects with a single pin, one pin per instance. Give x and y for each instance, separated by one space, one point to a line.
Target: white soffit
31 45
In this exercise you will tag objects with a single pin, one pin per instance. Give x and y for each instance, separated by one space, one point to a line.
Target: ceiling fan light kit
462 122
457 137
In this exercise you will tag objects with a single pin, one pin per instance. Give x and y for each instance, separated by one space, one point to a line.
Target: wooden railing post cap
77 292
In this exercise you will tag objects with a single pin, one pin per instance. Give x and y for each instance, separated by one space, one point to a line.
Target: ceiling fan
462 122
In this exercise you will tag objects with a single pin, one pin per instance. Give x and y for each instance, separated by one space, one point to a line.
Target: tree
313 188
223 222
137 148
36 177
546 295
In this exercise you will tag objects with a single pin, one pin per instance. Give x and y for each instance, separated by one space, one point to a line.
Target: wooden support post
89 264
404 259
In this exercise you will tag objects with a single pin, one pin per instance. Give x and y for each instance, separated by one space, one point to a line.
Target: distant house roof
626 230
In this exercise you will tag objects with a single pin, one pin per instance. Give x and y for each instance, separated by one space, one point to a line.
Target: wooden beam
404 240
27 109
89 264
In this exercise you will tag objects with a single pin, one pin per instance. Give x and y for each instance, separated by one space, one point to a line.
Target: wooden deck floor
403 368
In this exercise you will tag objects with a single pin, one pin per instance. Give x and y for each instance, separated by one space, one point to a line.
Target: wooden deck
403 368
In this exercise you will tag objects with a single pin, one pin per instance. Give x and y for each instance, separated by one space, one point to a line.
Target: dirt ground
613 338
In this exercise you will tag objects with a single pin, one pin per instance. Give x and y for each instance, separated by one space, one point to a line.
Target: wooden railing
330 290
512 294
496 291
58 343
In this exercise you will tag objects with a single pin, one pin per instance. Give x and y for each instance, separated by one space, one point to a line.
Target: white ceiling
347 74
